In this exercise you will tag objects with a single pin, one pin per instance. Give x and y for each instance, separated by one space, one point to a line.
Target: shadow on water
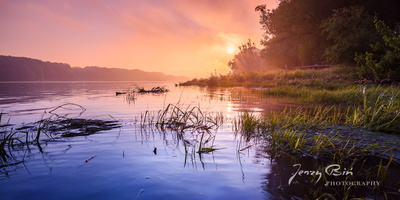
293 176
308 178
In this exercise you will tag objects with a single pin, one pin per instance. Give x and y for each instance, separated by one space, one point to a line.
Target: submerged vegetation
64 121
131 93
193 127
158 89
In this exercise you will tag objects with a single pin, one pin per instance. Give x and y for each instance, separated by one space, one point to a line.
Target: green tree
383 62
248 59
294 34
351 31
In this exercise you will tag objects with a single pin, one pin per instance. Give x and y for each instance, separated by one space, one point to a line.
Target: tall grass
322 127
270 78
381 112
180 119
248 124
324 135
190 125
336 85
377 110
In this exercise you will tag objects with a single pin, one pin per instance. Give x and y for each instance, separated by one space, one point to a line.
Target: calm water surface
122 164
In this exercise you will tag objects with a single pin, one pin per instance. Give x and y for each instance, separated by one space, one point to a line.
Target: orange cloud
177 36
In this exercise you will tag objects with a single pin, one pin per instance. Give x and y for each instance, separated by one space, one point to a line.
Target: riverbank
352 122
365 104
335 85
318 139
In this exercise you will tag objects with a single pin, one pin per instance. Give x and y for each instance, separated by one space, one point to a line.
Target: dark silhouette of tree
383 61
294 34
248 59
28 69
351 30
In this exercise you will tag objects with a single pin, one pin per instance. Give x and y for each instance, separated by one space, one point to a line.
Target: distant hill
28 69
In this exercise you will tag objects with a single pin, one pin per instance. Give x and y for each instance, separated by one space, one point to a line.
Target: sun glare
230 50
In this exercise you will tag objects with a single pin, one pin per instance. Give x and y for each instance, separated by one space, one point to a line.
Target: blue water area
122 163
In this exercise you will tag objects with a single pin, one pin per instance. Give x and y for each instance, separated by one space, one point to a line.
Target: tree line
28 69
363 34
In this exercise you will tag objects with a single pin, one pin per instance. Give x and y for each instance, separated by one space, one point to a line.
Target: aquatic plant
158 89
5 141
61 124
189 125
191 118
248 124
57 126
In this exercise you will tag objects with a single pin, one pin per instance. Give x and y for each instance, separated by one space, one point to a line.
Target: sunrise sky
181 37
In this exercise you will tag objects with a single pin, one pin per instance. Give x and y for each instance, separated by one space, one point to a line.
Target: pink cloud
181 34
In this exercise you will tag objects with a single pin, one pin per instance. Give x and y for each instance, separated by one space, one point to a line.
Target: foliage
303 32
275 77
248 59
384 60
28 69
292 36
352 30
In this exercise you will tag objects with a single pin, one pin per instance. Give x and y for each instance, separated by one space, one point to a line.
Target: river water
122 163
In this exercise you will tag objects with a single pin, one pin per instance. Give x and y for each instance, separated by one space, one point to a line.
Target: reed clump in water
188 124
179 119
193 121
140 89
64 121
131 93
157 89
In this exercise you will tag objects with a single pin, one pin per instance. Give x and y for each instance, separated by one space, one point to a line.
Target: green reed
321 127
185 122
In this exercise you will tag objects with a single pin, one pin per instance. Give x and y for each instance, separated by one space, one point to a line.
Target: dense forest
363 34
28 69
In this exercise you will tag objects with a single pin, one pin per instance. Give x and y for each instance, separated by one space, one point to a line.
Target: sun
230 50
